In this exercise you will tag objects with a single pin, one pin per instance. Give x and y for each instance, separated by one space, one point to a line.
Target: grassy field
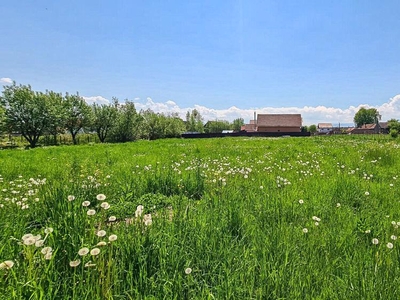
229 218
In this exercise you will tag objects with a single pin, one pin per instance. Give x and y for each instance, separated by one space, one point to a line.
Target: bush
394 133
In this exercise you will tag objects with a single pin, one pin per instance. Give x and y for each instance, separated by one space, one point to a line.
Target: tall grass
234 218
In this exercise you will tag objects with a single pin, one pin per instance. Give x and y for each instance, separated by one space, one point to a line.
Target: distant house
325 128
279 123
366 129
384 127
252 127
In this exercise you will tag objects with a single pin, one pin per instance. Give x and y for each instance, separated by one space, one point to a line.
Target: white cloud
96 99
6 80
310 114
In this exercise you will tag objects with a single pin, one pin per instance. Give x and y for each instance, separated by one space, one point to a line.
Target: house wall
278 129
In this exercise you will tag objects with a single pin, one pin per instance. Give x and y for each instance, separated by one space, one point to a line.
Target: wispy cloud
310 114
6 80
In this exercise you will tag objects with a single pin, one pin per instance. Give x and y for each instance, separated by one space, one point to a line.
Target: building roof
384 124
368 126
325 125
279 120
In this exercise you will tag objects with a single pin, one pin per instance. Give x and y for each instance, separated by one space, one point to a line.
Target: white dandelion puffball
74 263
112 238
338 204
366 193
89 264
112 219
147 220
393 237
95 251
39 243
375 241
101 233
48 256
8 264
29 241
71 198
27 236
91 212
46 250
105 205
83 251
301 201
305 230
48 230
188 271
389 245
101 244
85 203
101 197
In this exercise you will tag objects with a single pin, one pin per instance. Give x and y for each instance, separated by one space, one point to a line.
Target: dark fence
244 133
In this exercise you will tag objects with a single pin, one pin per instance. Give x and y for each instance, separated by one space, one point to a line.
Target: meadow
228 218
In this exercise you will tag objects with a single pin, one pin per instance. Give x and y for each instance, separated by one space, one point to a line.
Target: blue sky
323 59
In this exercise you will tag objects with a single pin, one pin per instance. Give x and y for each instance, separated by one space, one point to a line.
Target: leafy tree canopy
366 116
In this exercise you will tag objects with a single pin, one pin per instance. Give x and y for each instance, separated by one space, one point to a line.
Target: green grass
226 208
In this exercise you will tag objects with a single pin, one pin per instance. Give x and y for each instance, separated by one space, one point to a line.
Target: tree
394 124
126 127
152 126
78 115
174 126
312 129
216 126
57 114
366 116
104 117
194 121
237 124
26 112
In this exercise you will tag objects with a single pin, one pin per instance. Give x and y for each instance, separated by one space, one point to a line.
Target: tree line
34 114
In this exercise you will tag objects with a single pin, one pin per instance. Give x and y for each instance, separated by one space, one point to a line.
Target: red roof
279 120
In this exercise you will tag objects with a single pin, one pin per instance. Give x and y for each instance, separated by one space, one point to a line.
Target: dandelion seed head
393 237
301 201
48 230
86 203
305 230
46 250
375 241
71 198
83 251
389 245
39 243
101 233
366 193
8 264
105 205
29 241
112 219
112 238
74 263
95 251
91 212
101 197
101 244
188 271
